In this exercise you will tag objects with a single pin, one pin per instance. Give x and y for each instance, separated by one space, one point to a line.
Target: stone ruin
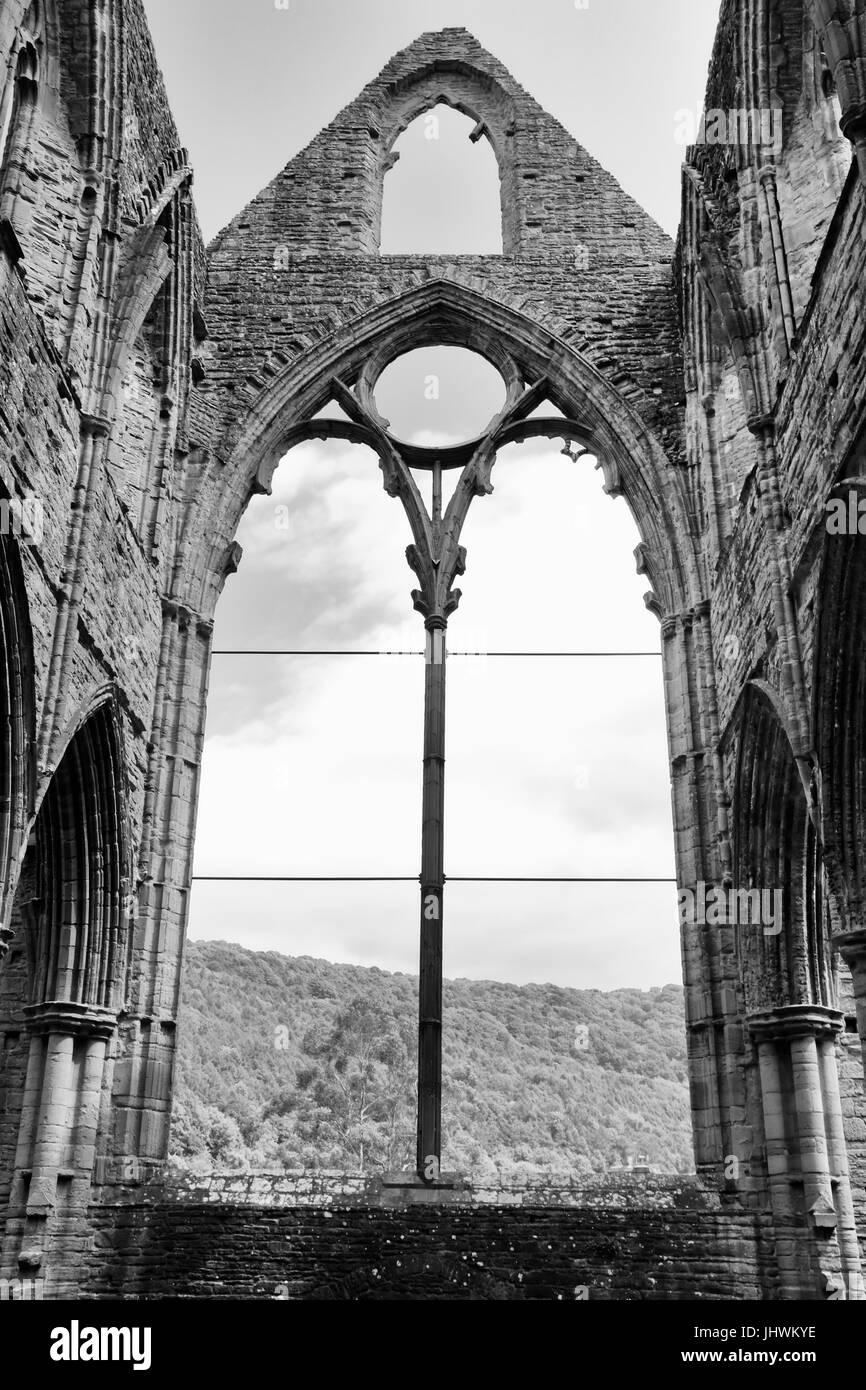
148 387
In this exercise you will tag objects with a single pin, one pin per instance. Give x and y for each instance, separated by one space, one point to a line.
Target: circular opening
438 396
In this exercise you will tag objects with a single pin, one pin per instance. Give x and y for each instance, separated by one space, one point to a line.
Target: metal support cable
410 878
385 652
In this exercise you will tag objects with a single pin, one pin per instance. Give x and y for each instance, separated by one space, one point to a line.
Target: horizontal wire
405 878
536 879
385 652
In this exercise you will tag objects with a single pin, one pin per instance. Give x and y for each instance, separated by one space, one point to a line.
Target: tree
354 1097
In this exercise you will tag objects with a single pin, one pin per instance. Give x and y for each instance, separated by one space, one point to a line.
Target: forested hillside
298 1063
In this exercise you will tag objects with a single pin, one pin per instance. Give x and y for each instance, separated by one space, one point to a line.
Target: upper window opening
439 396
442 197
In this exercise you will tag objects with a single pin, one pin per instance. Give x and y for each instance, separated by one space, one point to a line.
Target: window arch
443 196
777 849
71 900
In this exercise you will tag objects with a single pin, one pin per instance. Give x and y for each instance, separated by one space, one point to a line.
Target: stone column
778 1173
57 1136
810 1191
56 1105
838 1161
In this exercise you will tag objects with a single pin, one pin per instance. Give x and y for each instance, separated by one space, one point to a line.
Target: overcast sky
554 767
250 85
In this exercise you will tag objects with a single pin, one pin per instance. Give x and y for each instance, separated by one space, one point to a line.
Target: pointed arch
442 190
777 850
476 95
840 718
73 896
633 461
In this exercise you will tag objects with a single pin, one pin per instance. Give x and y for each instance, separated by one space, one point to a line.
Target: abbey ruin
149 385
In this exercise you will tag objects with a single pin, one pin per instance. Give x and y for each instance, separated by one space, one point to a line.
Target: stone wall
98 246
651 1192
331 1237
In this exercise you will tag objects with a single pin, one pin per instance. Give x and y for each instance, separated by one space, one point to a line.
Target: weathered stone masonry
148 390
336 1239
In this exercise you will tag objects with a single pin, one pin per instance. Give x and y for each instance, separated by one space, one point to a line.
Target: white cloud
555 766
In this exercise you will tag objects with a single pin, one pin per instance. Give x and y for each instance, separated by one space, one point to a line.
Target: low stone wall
331 1189
329 1237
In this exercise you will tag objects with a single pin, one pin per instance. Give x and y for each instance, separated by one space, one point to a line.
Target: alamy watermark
23 518
756 127
22 1290
731 907
846 516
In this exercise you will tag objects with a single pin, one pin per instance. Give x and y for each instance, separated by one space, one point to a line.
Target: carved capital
795 1021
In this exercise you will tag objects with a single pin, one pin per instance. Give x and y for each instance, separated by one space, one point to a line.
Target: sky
250 85
555 766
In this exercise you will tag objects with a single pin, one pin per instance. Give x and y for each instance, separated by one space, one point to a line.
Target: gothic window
442 189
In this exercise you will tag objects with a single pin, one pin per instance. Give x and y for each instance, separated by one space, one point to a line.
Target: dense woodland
295 1063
